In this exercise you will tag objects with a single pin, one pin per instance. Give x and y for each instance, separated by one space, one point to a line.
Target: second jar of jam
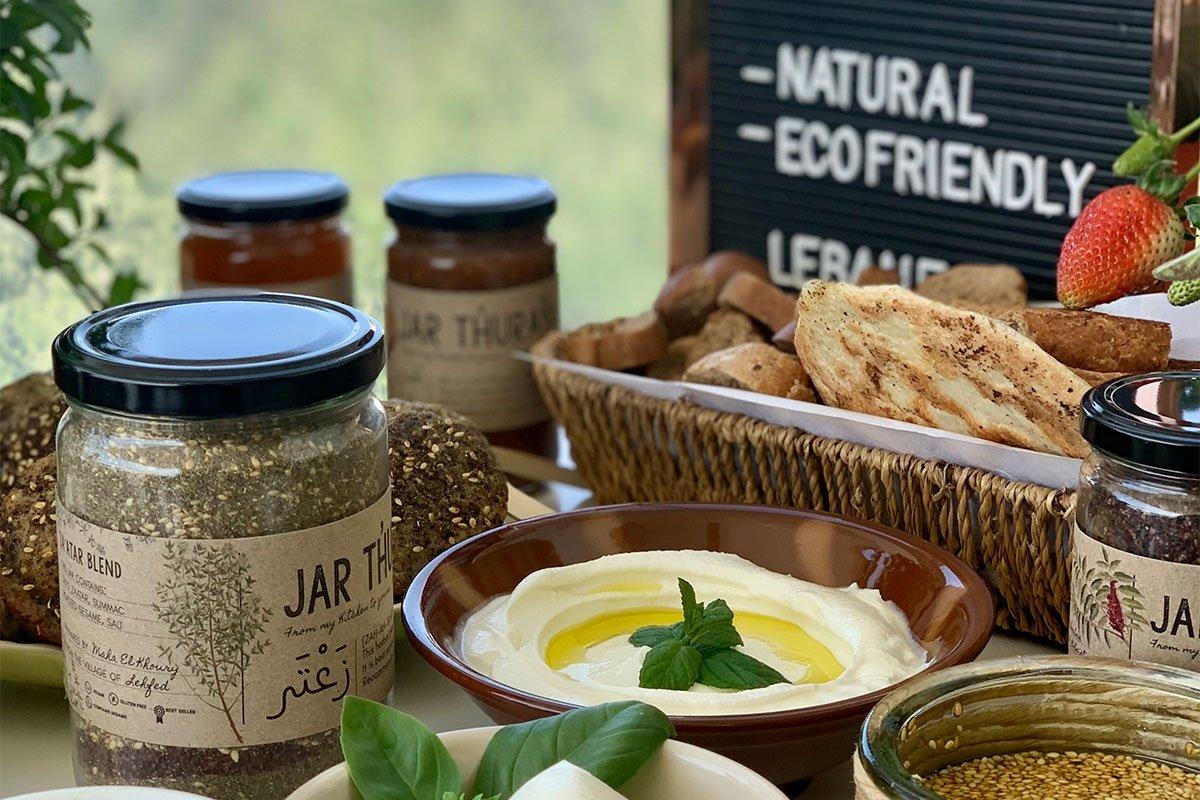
471 280
275 230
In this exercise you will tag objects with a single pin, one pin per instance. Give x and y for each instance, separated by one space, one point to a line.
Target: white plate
677 771
109 793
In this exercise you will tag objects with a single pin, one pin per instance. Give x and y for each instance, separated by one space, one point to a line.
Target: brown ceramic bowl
948 607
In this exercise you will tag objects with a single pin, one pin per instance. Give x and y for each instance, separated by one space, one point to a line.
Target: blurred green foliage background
374 90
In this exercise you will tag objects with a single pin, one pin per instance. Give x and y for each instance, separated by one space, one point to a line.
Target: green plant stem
79 285
1191 174
1184 132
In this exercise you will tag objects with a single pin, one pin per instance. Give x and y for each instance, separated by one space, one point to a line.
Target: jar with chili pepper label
1135 566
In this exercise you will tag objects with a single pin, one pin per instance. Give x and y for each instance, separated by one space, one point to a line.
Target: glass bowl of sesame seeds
1052 728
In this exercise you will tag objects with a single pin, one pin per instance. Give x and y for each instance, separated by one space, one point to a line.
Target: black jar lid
269 195
1152 420
470 201
223 356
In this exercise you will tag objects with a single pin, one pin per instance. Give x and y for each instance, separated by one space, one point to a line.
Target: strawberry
1115 244
1184 293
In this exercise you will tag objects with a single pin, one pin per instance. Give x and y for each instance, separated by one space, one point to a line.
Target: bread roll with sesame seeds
446 486
32 408
29 552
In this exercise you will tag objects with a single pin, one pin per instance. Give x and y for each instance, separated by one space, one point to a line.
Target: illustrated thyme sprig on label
699 650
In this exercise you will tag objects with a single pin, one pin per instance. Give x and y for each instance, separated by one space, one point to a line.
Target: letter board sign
827 135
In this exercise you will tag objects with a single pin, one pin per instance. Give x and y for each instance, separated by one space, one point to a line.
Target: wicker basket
630 447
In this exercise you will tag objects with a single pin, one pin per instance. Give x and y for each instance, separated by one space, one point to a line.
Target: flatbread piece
883 350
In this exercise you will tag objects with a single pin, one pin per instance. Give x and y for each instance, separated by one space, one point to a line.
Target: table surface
35 738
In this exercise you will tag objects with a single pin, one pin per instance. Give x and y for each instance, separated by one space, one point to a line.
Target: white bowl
677 771
110 793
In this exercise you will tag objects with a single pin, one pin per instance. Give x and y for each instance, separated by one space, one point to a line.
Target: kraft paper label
226 642
455 349
1129 606
339 287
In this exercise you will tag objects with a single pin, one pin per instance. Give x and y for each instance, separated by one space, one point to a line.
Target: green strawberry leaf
1138 120
670 664
1161 181
1182 268
733 669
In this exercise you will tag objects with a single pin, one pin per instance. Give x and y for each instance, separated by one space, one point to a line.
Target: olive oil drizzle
787 640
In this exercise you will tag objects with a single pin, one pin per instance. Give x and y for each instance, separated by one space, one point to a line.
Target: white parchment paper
1014 463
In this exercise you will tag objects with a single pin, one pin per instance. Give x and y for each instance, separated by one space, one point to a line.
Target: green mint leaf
651 635
693 612
392 756
610 741
733 669
715 631
670 664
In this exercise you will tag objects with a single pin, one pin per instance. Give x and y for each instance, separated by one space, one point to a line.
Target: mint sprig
699 650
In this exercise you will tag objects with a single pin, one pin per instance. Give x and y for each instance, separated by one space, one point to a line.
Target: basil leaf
715 630
733 669
670 664
655 634
610 741
392 756
693 612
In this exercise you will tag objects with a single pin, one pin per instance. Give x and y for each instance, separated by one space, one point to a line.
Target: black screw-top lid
1151 419
271 195
223 356
472 201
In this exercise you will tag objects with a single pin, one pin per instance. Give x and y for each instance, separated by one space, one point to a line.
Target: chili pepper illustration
1116 615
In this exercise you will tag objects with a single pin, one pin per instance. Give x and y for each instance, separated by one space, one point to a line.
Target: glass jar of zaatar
1135 566
223 534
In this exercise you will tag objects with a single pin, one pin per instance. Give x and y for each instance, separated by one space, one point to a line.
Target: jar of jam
1135 565
275 230
471 280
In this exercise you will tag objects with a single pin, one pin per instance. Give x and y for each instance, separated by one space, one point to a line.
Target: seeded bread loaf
724 328
445 485
758 299
690 294
623 343
984 285
883 350
1095 342
29 413
29 552
756 367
